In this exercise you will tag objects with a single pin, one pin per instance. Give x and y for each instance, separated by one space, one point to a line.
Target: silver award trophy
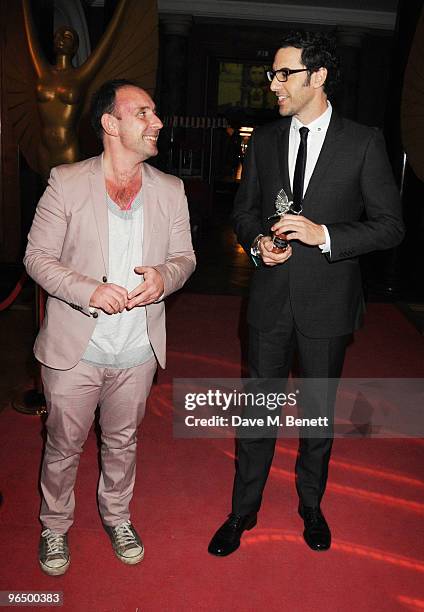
282 206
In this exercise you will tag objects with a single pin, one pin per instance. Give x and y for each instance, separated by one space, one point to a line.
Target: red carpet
374 500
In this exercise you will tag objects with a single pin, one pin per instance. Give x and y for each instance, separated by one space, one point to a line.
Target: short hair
103 101
318 51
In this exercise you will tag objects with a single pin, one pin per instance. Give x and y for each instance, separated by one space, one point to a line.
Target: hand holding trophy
282 206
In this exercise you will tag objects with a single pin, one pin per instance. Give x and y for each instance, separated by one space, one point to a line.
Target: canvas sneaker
53 553
126 543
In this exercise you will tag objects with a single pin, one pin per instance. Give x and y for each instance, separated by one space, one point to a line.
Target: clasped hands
299 228
112 298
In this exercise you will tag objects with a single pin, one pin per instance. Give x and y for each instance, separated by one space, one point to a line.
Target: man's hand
110 298
268 257
147 292
300 228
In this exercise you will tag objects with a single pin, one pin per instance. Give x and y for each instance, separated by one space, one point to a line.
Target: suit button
104 279
95 315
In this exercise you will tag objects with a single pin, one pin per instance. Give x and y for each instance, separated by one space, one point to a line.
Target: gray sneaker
53 553
126 543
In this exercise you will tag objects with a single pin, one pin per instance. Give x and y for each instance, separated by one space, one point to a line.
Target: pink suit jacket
67 254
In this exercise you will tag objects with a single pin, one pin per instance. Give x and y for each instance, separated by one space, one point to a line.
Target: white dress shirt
317 132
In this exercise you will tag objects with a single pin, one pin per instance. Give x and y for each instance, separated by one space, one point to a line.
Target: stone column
175 31
349 50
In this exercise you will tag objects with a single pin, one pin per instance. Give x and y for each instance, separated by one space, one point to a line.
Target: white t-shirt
121 340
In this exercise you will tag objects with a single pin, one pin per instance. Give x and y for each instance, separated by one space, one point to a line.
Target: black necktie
299 171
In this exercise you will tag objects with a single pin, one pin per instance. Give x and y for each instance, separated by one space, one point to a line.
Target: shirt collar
319 124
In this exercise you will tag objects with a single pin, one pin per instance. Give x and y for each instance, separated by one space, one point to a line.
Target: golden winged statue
47 101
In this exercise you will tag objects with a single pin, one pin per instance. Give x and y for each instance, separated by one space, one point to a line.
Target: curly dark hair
318 51
103 101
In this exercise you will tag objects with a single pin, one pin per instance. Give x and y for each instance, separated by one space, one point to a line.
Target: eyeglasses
283 73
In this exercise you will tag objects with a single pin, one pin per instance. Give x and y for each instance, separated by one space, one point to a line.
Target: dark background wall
364 84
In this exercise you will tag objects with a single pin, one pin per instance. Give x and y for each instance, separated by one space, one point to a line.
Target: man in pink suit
109 241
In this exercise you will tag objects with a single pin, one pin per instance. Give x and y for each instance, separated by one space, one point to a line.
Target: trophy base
280 243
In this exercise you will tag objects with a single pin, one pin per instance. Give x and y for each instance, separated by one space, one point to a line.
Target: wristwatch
254 249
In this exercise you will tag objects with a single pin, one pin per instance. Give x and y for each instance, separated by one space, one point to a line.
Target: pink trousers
72 397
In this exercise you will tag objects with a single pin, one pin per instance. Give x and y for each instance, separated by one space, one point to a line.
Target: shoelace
55 542
313 516
234 521
124 535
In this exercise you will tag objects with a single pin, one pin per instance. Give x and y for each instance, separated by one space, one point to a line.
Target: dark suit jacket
352 191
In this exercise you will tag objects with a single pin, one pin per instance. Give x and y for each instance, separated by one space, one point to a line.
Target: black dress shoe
317 533
227 539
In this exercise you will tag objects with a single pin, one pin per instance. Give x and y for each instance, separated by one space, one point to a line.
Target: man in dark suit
307 296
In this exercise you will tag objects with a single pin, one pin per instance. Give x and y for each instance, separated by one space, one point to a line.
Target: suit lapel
149 207
328 151
98 201
282 136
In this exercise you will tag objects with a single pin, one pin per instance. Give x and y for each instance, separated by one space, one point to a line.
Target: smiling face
135 122
302 94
